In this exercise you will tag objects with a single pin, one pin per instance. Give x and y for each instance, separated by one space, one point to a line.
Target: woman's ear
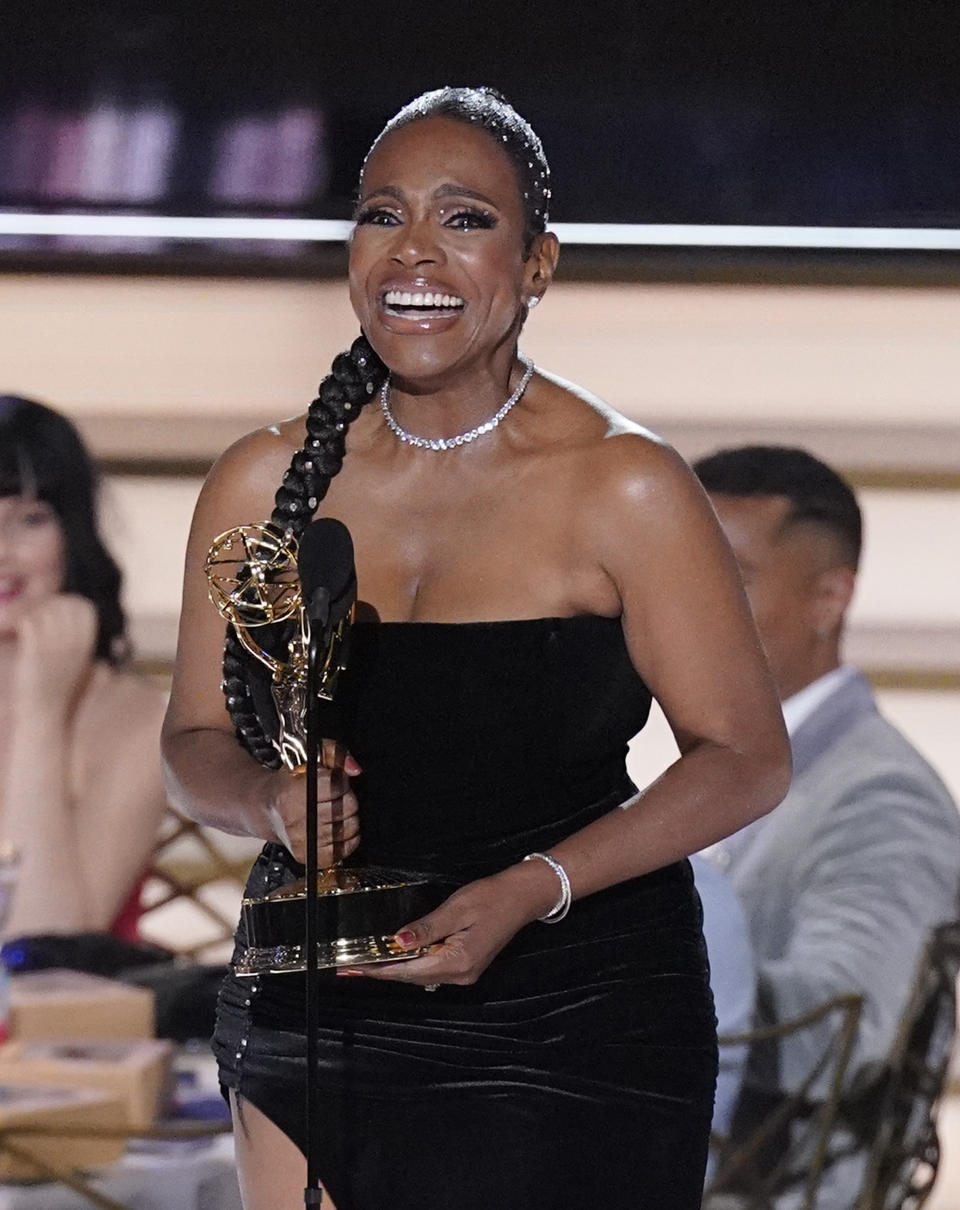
540 265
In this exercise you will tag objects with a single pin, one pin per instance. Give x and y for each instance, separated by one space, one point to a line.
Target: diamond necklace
448 443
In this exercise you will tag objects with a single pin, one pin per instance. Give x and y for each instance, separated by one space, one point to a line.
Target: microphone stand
317 615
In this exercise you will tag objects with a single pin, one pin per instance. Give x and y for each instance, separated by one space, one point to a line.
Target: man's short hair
817 494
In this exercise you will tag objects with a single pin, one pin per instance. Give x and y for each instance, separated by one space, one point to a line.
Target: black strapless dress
579 1069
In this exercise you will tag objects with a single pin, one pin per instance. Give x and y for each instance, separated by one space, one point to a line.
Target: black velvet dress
579 1070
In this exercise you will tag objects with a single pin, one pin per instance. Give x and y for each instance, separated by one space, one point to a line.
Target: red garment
127 924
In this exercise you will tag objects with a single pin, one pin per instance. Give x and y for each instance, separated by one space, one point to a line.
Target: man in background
843 882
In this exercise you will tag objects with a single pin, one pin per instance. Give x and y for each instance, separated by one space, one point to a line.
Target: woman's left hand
469 929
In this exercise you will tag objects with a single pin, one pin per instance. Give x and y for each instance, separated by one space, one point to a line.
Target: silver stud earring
532 301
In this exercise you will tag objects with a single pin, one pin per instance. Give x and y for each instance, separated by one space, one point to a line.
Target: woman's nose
417 244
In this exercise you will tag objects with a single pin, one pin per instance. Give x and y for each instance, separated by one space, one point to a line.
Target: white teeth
428 298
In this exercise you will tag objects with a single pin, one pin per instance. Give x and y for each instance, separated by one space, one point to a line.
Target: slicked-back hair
492 112
42 456
817 494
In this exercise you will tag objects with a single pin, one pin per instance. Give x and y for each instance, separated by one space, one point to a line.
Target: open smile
421 304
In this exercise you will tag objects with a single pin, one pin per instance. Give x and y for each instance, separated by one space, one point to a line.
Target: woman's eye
471 220
376 216
35 516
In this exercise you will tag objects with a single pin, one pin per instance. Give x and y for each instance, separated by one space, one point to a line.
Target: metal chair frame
888 1111
741 1178
903 1147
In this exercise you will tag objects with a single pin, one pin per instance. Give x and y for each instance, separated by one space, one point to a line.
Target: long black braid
355 377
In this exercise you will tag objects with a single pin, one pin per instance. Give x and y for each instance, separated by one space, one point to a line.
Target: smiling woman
532 568
68 698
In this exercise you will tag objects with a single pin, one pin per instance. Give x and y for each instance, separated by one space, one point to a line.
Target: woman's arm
122 800
209 776
82 794
53 663
690 636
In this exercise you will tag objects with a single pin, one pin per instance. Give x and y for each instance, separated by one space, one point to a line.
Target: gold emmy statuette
253 580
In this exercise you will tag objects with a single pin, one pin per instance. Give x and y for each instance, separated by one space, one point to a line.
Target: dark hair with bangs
43 457
817 494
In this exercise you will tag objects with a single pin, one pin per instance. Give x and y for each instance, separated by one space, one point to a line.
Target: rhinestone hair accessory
449 443
488 109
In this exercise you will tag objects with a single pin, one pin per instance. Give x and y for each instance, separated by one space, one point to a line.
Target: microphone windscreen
325 560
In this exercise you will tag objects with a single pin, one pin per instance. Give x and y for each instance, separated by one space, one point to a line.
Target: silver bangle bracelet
562 906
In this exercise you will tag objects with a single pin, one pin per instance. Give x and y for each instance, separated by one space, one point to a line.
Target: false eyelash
366 217
484 220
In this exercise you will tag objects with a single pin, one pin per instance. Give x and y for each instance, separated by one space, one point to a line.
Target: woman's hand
338 822
56 641
468 930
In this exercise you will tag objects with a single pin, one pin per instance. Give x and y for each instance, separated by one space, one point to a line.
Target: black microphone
328 587
328 578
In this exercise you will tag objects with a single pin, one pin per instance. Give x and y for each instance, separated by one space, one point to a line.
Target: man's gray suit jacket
843 881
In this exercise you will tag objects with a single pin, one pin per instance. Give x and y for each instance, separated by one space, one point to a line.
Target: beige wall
254 350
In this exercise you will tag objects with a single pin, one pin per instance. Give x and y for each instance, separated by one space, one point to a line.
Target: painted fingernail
406 939
351 766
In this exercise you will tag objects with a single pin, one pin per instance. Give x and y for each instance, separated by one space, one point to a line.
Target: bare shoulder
259 456
121 703
634 465
240 487
616 456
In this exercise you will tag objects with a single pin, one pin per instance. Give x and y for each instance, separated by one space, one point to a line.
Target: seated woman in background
81 793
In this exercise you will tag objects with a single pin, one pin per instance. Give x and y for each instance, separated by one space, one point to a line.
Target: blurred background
760 212
679 122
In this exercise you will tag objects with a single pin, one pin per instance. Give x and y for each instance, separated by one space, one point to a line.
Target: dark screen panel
676 112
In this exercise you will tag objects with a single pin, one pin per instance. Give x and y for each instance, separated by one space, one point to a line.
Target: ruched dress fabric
579 1070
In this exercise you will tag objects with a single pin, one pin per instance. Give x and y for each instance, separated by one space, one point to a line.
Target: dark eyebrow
462 191
389 190
448 190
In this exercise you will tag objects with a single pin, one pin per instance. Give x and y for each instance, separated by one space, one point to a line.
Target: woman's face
438 276
32 558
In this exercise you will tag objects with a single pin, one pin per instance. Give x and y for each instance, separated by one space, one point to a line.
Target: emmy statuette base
358 914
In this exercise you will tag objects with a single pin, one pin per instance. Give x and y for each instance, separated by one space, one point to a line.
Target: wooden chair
784 1143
